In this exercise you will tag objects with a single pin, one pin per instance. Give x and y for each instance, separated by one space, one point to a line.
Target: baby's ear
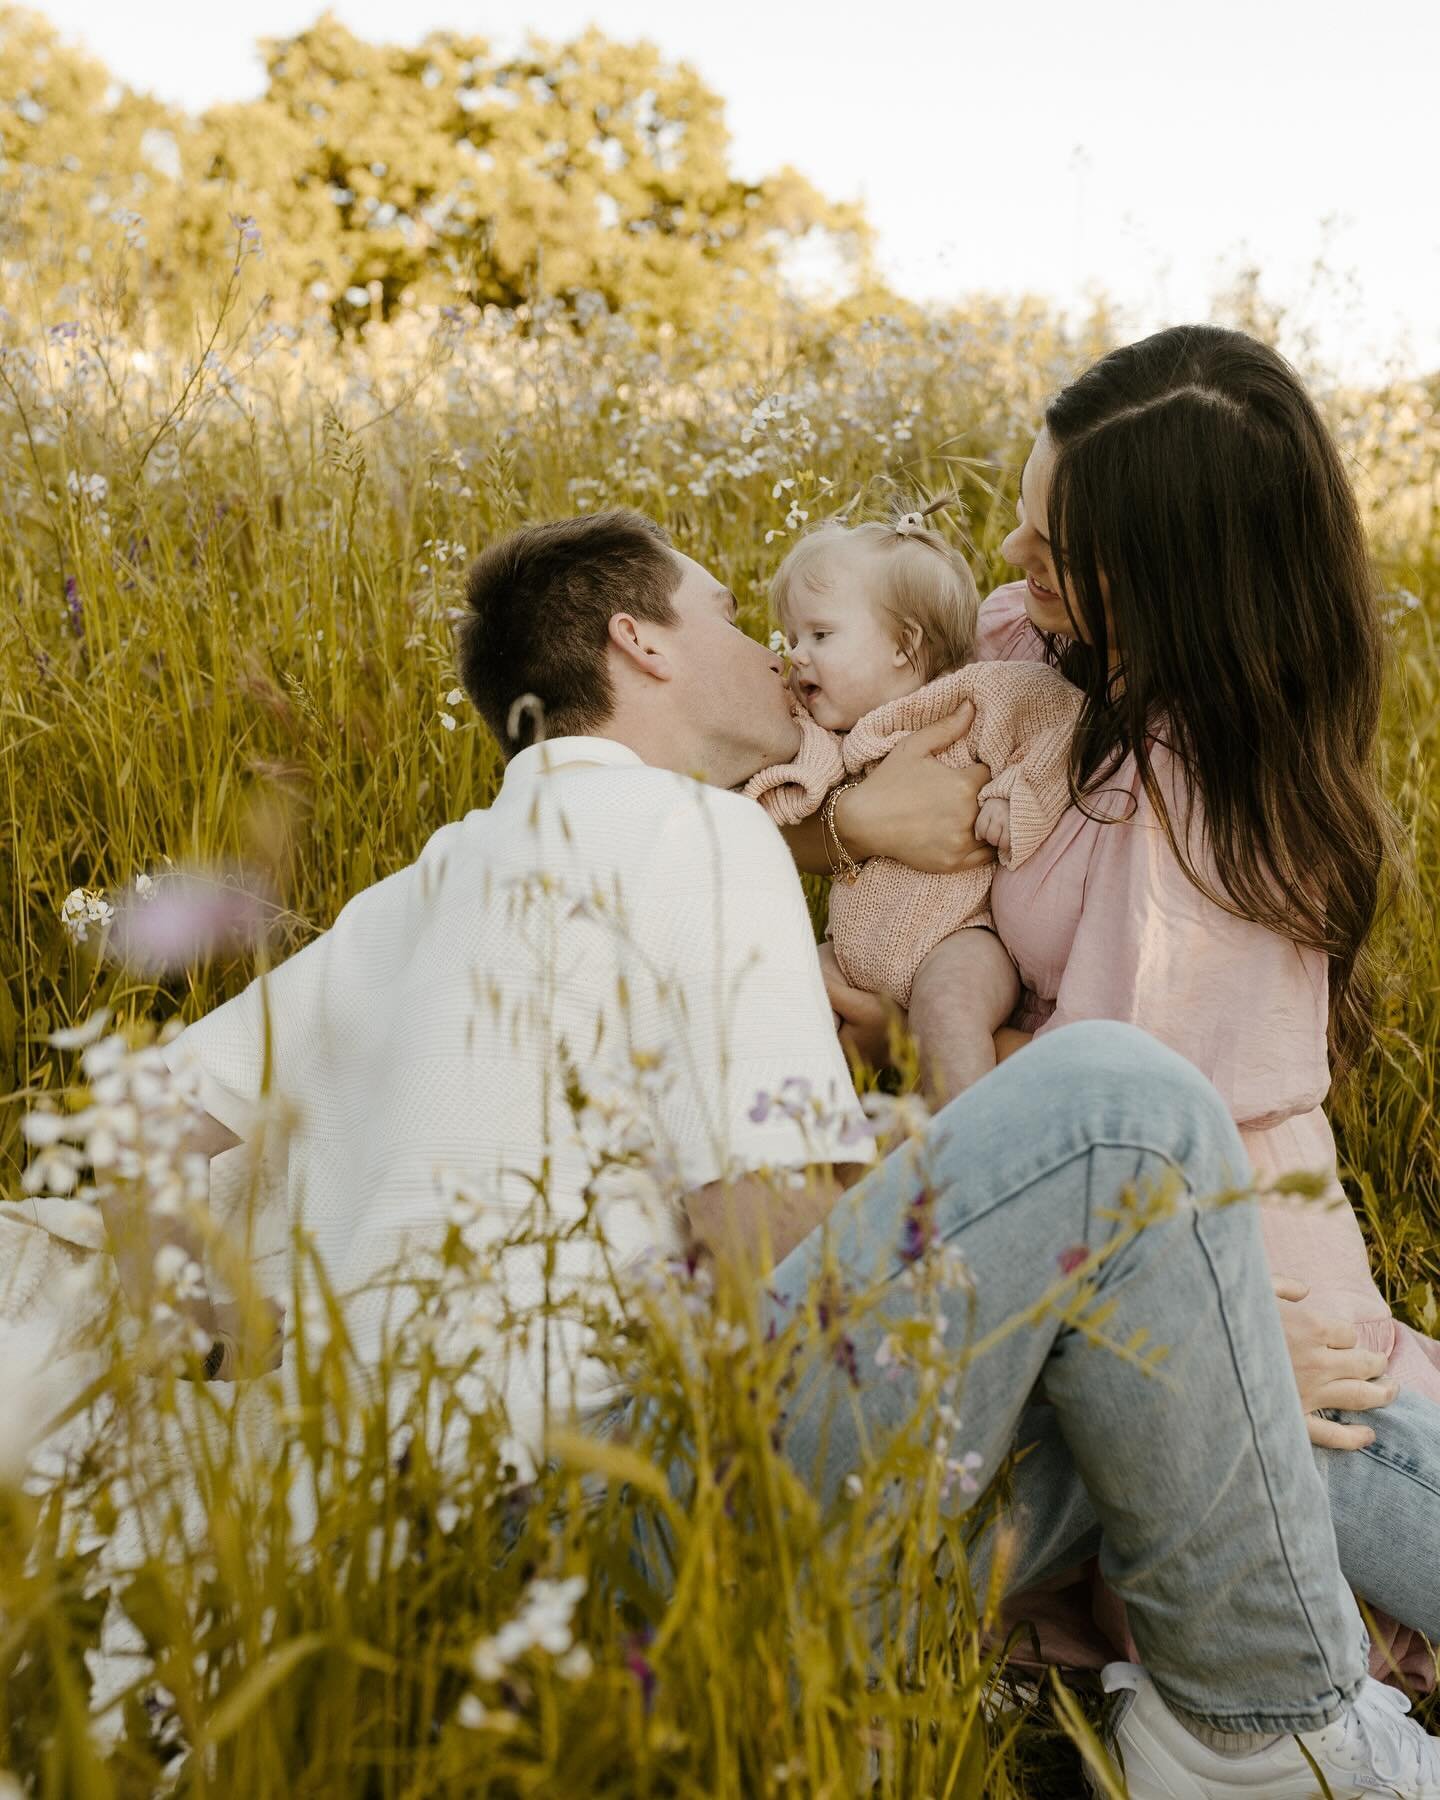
910 648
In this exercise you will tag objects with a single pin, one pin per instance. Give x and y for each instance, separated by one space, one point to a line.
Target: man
564 1011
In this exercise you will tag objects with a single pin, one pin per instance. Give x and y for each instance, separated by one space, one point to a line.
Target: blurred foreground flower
180 919
543 1622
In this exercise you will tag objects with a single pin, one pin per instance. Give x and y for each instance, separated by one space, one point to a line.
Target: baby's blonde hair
923 584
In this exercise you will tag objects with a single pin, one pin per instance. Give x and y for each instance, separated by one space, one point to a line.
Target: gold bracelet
843 866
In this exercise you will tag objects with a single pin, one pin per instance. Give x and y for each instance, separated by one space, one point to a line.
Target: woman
1194 561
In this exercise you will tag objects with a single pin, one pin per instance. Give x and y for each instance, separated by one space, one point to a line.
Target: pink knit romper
887 921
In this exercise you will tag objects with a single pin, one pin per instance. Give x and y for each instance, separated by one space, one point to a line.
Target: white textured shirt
605 929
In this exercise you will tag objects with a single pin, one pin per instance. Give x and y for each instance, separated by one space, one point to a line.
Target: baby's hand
992 824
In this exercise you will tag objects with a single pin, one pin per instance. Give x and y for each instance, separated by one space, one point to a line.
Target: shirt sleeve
1004 633
256 1043
753 1073
1242 1003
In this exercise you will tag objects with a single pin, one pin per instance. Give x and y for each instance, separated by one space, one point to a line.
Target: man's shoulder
660 807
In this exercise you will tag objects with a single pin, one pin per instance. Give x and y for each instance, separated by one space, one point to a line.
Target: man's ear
638 643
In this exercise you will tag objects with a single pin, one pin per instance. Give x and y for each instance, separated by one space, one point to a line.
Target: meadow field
231 563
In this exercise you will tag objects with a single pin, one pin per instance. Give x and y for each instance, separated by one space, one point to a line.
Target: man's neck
655 742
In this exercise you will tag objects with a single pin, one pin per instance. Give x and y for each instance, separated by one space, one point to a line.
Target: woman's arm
911 807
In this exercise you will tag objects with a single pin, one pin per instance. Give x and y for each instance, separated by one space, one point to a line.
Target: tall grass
230 580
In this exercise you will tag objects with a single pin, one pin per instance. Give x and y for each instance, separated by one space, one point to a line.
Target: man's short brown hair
539 606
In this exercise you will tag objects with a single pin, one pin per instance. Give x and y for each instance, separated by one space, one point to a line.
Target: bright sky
1145 147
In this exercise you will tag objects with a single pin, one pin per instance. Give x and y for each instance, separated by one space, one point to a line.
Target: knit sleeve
1025 715
791 791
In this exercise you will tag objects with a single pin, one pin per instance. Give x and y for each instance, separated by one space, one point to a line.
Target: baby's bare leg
963 992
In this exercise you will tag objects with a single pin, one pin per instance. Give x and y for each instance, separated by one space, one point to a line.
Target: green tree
437 172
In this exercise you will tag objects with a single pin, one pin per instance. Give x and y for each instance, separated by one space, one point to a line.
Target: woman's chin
1048 615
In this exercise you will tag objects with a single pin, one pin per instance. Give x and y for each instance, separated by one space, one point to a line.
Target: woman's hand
914 808
864 1018
1330 1369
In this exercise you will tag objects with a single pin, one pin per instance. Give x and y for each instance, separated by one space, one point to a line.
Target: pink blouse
1103 923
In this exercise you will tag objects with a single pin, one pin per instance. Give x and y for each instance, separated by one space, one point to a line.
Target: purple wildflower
641 1667
919 1231
846 1358
72 606
760 1111
1071 1258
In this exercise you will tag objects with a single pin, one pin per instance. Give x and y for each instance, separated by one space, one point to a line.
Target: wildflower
896 1115
576 1664
641 1667
962 1472
542 1623
82 908
249 234
94 488
64 332
919 1229
1071 1258
447 720
853 1485
455 697
889 1352
79 1037
472 1715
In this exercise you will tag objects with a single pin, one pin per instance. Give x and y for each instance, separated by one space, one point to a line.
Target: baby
881 621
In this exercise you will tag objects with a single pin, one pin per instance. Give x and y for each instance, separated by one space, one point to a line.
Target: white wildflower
82 908
93 488
576 1664
542 1623
76 1037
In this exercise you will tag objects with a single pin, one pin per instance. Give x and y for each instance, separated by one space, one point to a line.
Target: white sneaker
1372 1748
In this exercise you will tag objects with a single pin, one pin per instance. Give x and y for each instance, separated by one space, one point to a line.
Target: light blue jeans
1385 1502
1213 1522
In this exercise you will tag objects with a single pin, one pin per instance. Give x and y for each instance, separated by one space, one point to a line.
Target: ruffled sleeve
1005 633
1245 1005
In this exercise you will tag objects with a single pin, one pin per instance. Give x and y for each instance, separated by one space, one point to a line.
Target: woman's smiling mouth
1048 595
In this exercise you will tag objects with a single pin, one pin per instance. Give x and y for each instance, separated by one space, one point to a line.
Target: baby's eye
819 635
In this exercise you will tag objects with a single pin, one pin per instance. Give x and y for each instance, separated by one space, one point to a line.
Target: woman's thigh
1385 1501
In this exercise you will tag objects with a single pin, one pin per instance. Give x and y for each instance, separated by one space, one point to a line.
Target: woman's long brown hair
1199 496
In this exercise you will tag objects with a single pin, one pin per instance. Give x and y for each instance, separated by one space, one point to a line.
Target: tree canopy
443 171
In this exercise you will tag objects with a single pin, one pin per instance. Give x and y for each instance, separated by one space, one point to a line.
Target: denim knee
1125 1084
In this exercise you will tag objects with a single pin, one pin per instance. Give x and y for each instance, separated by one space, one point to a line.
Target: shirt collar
557 752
